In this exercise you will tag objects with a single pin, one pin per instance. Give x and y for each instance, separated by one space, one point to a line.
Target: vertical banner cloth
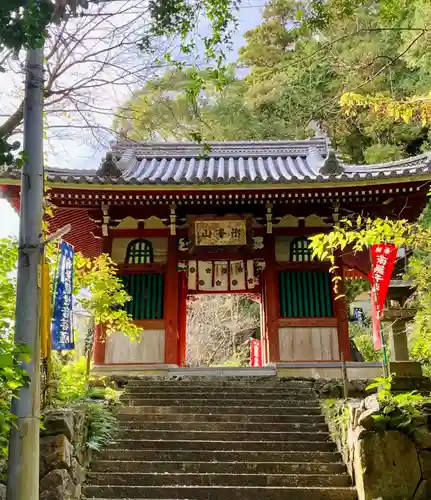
45 313
383 257
61 328
221 276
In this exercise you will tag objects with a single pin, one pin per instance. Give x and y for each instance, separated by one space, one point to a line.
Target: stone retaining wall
385 463
63 454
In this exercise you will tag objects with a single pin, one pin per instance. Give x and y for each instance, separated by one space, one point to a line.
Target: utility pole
23 463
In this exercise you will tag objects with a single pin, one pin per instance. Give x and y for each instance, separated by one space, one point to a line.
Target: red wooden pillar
271 300
99 345
171 303
107 244
182 319
340 310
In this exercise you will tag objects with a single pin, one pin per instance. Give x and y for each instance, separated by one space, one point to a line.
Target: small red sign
255 353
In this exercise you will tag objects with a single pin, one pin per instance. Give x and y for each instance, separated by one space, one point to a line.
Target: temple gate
236 220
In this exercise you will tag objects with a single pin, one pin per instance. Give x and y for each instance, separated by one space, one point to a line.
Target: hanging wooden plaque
229 231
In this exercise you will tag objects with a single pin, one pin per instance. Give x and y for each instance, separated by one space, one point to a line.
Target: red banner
383 257
255 353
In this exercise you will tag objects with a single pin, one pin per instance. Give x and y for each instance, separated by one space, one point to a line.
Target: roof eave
306 184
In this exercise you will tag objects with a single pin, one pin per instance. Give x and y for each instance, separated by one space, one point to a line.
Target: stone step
219 492
206 402
184 455
219 381
130 426
164 479
115 466
268 402
253 389
193 394
199 435
192 418
177 444
279 385
246 410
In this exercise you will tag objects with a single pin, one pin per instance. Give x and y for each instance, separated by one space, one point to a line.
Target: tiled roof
269 162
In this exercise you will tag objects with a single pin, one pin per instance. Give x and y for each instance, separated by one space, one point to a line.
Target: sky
250 14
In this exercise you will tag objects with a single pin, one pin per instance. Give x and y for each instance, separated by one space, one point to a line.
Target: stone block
425 461
80 432
386 466
55 453
422 437
405 368
368 422
59 422
79 426
56 485
77 472
372 403
424 491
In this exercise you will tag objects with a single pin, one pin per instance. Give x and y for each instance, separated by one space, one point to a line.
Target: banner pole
379 317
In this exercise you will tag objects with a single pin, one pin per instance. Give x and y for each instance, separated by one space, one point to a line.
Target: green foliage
8 155
107 294
397 410
337 416
72 388
70 379
363 340
23 23
297 71
164 109
419 272
355 287
102 426
12 376
360 233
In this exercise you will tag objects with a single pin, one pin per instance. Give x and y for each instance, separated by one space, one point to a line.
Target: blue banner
358 314
61 327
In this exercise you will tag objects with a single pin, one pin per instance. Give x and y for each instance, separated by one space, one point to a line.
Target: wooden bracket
105 221
173 220
269 217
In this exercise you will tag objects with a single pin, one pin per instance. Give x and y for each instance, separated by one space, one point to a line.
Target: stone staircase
216 438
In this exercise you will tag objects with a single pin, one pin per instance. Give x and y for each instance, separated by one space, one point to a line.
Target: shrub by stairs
220 438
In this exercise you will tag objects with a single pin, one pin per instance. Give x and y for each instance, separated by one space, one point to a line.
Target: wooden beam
302 266
171 303
150 324
307 322
141 268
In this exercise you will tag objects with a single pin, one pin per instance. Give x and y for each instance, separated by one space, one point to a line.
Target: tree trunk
10 125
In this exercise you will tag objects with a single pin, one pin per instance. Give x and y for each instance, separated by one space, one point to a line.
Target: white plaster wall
308 344
282 248
150 348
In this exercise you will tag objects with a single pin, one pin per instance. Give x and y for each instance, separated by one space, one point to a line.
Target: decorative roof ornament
331 166
108 167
